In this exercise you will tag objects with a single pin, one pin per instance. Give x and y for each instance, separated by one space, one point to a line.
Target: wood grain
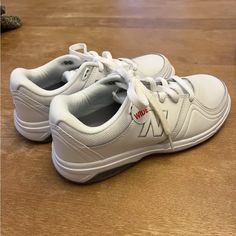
186 193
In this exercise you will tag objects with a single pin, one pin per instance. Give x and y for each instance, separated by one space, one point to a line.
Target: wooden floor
187 193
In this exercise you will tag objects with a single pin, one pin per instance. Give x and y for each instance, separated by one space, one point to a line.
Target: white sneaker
100 131
33 89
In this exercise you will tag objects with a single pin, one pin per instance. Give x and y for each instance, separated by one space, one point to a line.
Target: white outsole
82 173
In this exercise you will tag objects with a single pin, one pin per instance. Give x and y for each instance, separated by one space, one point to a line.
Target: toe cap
208 90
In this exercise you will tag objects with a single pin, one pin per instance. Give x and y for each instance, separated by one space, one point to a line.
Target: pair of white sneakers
105 114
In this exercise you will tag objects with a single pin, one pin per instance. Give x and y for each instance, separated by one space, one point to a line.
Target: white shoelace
160 88
104 60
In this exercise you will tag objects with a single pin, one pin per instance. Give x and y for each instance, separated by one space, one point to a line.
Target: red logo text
140 114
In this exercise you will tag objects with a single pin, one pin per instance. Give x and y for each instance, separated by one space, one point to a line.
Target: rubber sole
34 131
100 170
109 173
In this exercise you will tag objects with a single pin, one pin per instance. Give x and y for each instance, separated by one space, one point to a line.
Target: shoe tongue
119 95
119 87
68 75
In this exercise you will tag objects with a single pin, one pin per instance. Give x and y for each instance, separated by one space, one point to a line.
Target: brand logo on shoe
140 116
153 127
149 123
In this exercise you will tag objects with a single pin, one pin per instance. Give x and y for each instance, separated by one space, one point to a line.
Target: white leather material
32 78
173 110
29 113
91 136
28 109
109 142
198 123
199 119
209 90
94 76
122 133
71 149
151 65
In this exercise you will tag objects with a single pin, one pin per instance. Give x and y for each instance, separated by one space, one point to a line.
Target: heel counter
28 109
70 149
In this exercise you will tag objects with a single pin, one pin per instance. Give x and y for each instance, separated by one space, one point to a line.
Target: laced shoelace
104 60
160 88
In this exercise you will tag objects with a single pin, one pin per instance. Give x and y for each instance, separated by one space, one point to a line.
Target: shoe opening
51 75
97 105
